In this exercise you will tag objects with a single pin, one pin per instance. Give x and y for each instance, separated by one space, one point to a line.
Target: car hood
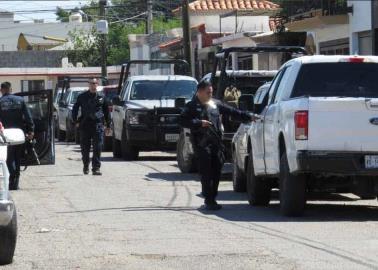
150 104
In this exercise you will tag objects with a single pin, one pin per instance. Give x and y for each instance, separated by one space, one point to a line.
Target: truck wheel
292 190
258 188
117 153
364 187
61 135
185 159
129 153
8 236
238 177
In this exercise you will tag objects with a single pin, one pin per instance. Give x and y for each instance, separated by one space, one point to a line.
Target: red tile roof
230 5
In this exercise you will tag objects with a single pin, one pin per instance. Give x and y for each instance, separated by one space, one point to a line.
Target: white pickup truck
318 131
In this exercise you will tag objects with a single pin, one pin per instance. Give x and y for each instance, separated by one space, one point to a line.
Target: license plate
171 137
371 162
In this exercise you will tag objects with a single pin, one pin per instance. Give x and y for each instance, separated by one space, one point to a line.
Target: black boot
86 169
13 182
96 172
212 205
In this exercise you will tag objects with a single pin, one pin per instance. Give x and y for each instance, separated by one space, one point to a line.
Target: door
118 112
40 104
272 123
63 110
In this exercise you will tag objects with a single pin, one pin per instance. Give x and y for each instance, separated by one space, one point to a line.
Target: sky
26 11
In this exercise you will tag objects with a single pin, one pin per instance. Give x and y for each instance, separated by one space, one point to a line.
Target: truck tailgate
343 124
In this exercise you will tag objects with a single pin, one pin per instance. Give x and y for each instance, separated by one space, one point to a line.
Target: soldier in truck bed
202 115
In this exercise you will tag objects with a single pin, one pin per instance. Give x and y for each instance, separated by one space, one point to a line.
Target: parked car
57 96
240 139
246 82
318 132
67 128
8 216
145 117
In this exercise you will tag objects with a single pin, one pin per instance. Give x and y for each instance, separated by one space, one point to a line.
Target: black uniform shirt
15 114
94 109
195 112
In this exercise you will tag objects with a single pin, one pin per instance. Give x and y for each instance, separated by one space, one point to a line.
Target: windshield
154 90
337 80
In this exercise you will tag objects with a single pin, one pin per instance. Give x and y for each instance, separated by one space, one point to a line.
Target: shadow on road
171 177
143 158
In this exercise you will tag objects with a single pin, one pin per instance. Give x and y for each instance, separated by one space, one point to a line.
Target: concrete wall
31 59
247 23
331 32
360 21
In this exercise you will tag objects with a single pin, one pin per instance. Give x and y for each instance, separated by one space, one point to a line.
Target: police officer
15 114
94 112
202 116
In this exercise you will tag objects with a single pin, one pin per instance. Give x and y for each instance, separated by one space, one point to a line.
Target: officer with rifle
202 115
15 114
94 112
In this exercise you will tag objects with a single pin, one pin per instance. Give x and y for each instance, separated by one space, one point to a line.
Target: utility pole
187 33
150 17
104 71
374 26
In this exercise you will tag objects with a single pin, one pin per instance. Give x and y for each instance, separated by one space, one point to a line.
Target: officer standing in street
94 112
15 114
202 115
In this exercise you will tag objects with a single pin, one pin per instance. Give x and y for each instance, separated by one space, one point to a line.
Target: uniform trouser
13 162
92 135
210 168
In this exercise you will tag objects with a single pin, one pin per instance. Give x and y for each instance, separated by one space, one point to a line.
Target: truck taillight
110 108
301 125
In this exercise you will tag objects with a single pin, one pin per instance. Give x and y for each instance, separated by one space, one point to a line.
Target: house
361 20
326 24
33 79
36 44
209 20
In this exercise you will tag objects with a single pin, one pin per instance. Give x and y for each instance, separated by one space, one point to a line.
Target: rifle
30 150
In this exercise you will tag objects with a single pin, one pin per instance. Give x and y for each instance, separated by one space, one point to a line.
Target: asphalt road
144 215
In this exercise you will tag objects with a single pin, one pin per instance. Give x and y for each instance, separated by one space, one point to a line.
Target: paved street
144 215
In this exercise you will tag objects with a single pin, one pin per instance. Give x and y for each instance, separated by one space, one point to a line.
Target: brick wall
16 59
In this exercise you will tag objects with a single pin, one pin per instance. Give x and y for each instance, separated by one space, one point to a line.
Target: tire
185 160
8 236
292 190
129 153
238 177
258 188
117 153
61 135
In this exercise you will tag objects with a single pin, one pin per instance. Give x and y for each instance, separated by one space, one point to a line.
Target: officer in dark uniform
202 116
14 114
94 112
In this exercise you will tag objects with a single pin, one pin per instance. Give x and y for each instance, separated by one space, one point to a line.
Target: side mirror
246 103
12 136
180 103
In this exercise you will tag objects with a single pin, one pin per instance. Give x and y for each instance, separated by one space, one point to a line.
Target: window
282 83
32 85
337 80
155 90
275 83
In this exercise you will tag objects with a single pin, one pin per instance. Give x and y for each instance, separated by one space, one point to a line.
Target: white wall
361 18
245 23
360 21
